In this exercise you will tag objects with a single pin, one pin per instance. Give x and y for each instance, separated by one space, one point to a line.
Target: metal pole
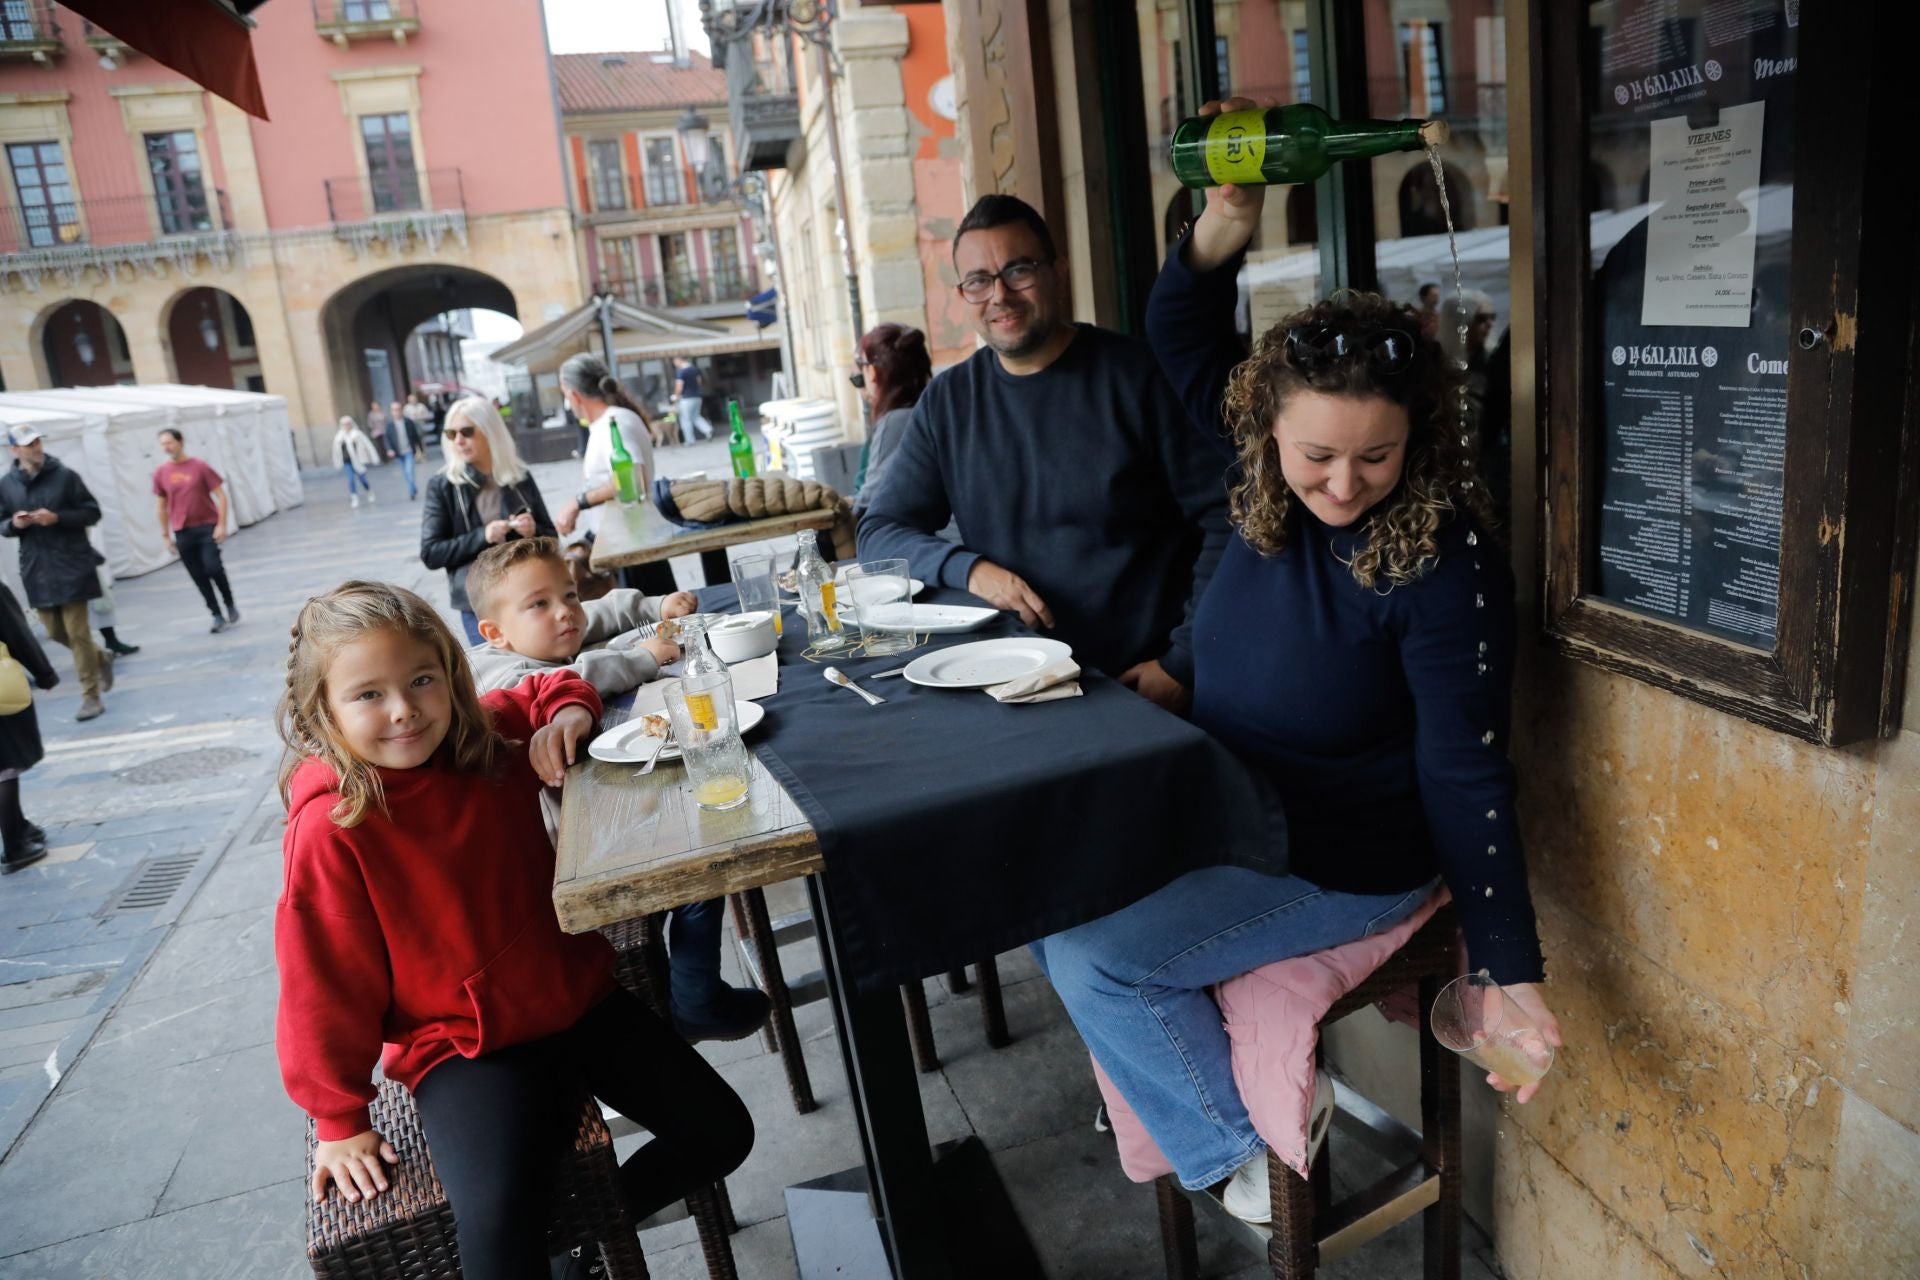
604 301
840 191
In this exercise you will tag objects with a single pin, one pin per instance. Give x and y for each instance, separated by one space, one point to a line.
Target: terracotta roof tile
635 82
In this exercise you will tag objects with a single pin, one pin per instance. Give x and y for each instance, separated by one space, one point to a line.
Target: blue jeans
693 956
1135 984
406 469
471 621
356 479
692 421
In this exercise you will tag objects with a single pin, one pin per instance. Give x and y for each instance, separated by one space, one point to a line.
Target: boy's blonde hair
339 617
490 570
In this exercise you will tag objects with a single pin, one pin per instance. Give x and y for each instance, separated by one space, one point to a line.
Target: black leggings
201 554
496 1125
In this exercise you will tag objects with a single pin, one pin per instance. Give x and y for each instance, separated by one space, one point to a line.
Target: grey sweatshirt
610 671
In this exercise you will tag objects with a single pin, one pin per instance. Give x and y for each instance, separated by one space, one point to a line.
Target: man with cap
48 507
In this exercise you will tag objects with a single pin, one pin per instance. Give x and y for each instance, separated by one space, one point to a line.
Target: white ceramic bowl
740 636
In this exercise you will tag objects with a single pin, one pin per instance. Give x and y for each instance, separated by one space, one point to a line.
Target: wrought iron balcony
344 21
114 220
396 205
27 30
763 105
722 286
626 194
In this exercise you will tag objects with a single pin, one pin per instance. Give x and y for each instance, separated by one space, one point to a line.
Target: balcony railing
27 30
628 193
344 21
114 220
718 287
763 106
365 198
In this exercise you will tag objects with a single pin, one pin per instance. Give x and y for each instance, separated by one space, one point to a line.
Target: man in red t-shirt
193 519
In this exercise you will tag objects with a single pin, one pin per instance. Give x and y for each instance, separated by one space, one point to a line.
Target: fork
658 751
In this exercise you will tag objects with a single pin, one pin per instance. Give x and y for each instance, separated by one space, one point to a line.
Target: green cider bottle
1286 144
739 447
623 483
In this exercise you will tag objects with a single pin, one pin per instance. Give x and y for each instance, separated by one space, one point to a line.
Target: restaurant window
664 182
179 195
1722 394
48 213
609 183
392 182
676 270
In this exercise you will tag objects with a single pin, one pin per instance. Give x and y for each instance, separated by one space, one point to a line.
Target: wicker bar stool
1308 1228
407 1233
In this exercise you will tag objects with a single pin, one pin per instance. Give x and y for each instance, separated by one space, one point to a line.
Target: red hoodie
429 927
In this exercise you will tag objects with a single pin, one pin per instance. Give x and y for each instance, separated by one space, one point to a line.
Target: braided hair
327 623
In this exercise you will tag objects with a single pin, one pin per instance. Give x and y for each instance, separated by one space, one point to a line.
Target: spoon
836 676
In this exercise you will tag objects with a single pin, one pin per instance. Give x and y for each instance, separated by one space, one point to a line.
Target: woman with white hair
485 495
354 454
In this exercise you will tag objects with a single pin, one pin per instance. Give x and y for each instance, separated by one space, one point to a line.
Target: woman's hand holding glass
1534 1004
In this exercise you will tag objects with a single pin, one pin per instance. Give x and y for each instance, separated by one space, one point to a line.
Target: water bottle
814 579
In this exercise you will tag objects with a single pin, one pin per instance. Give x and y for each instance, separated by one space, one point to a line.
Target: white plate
985 662
929 619
840 589
627 744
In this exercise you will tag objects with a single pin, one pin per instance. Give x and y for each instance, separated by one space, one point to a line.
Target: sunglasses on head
463 433
1315 347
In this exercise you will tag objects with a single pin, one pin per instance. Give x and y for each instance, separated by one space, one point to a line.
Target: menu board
1690 224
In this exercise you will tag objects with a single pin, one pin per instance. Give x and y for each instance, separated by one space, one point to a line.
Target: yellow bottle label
1237 146
826 606
778 630
700 710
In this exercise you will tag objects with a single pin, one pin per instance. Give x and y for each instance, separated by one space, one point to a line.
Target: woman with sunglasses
483 496
891 369
1356 645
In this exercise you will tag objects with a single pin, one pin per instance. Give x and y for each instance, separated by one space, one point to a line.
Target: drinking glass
753 580
1479 1021
707 727
881 591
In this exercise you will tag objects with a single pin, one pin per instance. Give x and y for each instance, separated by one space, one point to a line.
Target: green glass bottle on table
623 481
1286 144
739 447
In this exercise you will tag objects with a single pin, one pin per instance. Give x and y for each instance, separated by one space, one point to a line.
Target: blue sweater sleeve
1455 627
1190 324
908 511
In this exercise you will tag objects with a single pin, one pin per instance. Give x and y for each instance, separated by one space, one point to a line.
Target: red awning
207 41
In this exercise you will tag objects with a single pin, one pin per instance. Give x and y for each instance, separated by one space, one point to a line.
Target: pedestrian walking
687 391
353 453
21 658
46 505
192 501
377 431
412 441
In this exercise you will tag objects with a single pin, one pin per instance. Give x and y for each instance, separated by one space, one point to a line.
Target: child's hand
663 651
678 605
353 1163
554 745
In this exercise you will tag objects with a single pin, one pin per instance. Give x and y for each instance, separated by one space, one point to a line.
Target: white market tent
115 447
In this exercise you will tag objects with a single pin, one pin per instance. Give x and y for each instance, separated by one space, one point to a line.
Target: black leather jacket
452 534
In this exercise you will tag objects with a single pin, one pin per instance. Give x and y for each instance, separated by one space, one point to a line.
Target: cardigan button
1493 850
1486 739
1489 891
1479 602
1473 539
1483 668
1492 816
1483 646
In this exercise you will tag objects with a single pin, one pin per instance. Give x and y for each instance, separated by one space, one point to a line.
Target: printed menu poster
1704 188
1691 232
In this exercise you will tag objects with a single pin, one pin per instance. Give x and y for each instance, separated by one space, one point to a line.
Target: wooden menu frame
1848 516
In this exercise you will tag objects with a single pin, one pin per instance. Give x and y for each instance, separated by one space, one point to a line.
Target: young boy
533 621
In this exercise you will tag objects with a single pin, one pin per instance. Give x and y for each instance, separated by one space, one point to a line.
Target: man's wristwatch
580 500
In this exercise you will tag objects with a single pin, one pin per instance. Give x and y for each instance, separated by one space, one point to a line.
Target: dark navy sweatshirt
1380 714
1082 478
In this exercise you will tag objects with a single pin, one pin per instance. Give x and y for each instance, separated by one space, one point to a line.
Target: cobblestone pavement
145 1131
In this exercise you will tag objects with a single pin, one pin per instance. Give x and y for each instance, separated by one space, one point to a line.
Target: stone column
877 142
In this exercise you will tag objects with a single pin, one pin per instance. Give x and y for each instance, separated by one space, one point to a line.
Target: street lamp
692 128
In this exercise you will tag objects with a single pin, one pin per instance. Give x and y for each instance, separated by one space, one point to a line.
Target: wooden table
636 533
629 846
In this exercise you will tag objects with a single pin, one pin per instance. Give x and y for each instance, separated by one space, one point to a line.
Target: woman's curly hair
1439 478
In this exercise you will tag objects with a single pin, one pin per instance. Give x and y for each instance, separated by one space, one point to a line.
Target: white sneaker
1247 1196
353 500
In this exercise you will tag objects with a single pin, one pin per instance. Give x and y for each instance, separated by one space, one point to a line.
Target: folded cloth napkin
1056 680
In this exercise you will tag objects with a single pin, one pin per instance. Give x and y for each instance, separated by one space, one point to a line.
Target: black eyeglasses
1315 347
1018 276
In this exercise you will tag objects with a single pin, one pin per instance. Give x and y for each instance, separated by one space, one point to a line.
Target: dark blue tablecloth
953 827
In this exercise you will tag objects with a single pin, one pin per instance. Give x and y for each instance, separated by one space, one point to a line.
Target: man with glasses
1084 500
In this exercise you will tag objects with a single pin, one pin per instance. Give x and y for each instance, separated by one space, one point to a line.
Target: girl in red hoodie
417 914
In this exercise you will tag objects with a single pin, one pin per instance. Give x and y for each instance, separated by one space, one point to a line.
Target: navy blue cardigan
1380 715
